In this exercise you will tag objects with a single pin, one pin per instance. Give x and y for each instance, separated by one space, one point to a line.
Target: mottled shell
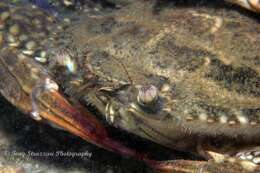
203 61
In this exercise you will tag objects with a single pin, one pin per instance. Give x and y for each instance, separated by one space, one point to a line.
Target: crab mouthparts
78 121
39 95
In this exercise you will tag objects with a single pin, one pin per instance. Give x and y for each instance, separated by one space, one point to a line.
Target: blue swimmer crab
185 78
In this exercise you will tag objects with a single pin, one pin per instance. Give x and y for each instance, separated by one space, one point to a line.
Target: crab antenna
125 69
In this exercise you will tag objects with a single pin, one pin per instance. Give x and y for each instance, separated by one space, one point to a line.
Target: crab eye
147 95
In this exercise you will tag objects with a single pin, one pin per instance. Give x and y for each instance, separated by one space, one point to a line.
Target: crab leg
25 84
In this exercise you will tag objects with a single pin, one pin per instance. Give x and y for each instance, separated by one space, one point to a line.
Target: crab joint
46 86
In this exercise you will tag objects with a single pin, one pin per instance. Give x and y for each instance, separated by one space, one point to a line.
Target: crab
185 78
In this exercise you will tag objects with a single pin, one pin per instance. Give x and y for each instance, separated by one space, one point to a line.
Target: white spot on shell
167 109
11 38
28 52
223 119
30 45
189 118
60 27
243 157
249 157
40 59
23 37
36 22
186 111
14 44
67 2
256 160
203 116
4 15
253 123
14 30
67 20
232 122
210 120
43 54
165 88
242 119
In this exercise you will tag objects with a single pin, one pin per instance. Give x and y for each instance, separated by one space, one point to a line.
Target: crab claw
78 121
28 86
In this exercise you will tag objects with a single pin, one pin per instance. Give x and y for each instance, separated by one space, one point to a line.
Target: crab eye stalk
147 95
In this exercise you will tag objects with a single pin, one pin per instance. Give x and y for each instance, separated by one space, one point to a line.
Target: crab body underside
186 78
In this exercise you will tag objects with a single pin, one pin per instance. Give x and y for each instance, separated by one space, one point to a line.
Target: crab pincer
38 95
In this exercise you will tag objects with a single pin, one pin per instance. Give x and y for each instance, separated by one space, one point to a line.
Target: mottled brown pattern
203 62
205 57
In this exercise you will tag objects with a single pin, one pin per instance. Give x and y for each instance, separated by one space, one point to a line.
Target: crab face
173 82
